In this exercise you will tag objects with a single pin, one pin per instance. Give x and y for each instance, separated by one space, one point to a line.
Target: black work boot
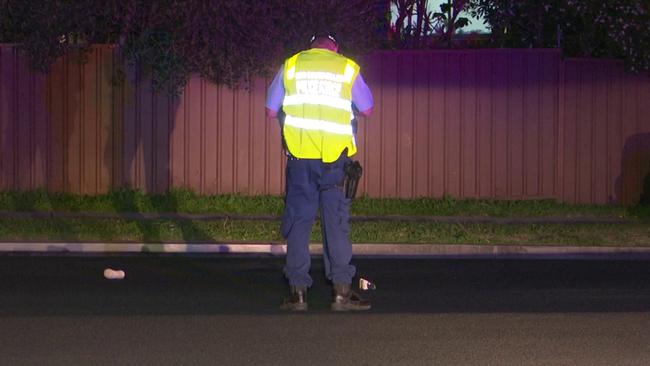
347 300
297 299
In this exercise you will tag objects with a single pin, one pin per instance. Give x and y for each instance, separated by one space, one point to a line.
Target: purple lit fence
507 124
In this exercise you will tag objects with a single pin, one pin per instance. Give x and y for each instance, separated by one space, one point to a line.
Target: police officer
316 89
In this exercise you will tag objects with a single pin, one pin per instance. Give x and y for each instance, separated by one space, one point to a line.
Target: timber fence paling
491 123
152 216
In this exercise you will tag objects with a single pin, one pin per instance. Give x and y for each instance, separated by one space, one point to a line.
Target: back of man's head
324 40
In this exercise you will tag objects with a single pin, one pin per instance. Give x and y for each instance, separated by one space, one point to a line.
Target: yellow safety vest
318 104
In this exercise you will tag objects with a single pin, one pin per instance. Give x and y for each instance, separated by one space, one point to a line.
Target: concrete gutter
371 250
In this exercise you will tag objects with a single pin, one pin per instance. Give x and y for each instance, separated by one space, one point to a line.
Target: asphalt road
207 310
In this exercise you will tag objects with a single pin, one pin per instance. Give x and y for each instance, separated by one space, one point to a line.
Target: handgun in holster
353 172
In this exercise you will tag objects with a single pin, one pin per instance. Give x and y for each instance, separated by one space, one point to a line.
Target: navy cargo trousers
312 184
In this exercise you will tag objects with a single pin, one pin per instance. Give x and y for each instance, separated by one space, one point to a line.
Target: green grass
473 207
636 232
184 201
631 234
177 200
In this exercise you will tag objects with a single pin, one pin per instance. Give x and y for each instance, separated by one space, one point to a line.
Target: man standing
316 90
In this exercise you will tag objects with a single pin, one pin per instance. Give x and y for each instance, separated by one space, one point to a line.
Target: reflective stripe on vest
319 125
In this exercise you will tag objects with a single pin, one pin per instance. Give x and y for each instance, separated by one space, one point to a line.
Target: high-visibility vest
318 104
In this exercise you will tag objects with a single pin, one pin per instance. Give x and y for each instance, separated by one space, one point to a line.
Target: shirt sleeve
275 95
361 95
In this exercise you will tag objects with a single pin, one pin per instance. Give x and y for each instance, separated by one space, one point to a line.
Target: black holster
353 172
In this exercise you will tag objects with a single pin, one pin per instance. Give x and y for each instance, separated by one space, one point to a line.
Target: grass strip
186 201
53 229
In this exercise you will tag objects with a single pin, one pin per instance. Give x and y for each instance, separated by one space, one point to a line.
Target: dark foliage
584 28
226 41
49 29
418 25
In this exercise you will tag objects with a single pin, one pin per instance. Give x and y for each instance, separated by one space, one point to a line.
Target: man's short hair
322 38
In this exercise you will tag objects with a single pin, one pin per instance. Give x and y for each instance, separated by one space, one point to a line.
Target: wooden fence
507 124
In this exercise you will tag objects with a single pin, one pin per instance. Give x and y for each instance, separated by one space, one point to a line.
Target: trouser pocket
344 215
